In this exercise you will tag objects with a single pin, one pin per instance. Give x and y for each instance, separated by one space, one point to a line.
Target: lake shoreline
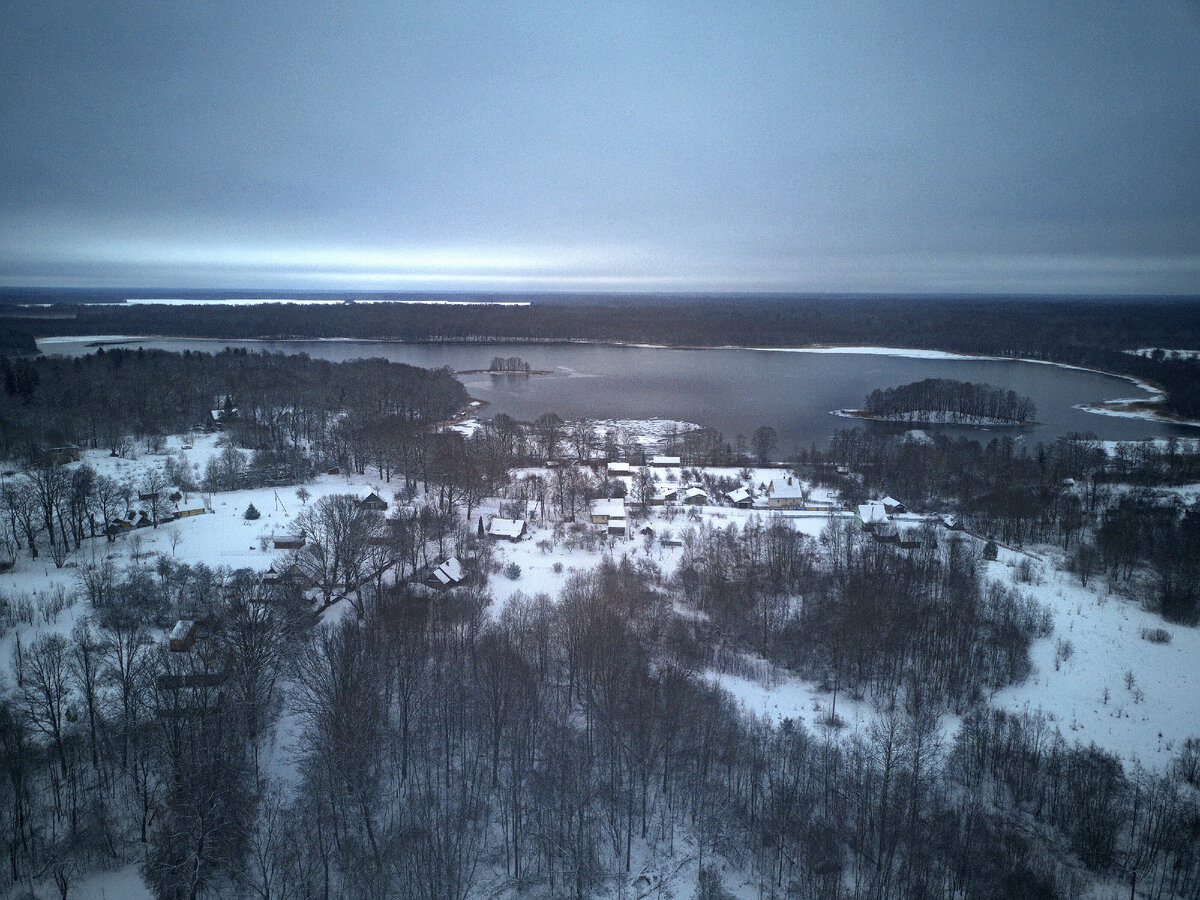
901 420
1115 407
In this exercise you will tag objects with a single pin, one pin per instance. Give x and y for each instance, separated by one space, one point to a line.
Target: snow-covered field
1146 719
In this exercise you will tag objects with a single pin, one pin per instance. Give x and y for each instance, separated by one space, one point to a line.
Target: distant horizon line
241 293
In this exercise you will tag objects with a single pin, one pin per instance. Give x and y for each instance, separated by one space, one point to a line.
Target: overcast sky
915 146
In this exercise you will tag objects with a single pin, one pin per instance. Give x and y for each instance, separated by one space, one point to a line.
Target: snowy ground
1147 721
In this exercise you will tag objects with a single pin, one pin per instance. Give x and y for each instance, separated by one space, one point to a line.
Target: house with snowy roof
785 493
868 515
605 509
740 498
510 529
447 575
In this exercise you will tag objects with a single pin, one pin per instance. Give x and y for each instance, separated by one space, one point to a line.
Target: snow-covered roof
664 461
449 572
182 629
613 507
694 492
738 496
780 488
617 524
872 512
620 468
889 500
509 528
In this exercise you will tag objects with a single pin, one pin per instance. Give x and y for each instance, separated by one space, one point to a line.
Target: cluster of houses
141 519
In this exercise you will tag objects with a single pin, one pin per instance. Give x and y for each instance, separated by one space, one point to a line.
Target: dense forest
948 400
560 749
116 398
1094 333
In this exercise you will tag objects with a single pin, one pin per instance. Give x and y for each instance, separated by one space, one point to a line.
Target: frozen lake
732 390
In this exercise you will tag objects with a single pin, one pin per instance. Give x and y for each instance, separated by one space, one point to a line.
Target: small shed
893 506
287 541
189 509
885 534
183 636
65 454
618 526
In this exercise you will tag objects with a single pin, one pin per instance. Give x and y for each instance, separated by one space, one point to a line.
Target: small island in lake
945 401
506 365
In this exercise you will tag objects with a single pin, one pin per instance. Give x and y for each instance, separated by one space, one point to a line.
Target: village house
868 515
373 501
784 494
663 494
603 510
695 496
189 509
287 541
511 529
618 526
619 470
740 498
287 575
447 575
183 636
893 506
665 462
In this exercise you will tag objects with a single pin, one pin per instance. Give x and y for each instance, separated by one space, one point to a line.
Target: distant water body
732 390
